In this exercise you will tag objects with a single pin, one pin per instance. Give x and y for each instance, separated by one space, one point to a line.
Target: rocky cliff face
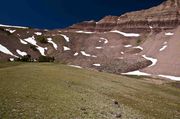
164 16
146 41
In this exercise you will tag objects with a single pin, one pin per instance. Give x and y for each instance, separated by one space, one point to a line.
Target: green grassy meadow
56 91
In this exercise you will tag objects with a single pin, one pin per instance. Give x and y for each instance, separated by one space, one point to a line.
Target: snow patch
87 32
128 46
163 48
170 77
85 54
65 37
98 47
97 65
21 53
32 41
169 34
11 31
79 67
76 54
138 47
126 34
53 43
122 53
38 33
66 48
23 42
11 59
138 73
3 49
154 61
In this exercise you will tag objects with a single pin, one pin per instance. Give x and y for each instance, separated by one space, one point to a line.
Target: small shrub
46 59
138 41
26 58
41 39
33 47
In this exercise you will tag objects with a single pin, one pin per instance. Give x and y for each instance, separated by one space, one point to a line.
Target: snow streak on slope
8 26
65 37
138 73
32 41
6 51
21 53
170 77
53 43
126 34
66 48
154 61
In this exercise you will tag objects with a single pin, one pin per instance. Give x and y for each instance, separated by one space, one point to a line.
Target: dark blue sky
62 13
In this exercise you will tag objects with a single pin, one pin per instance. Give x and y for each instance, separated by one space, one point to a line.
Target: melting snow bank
23 42
6 51
65 37
38 33
87 32
21 53
87 55
138 47
13 26
126 34
136 73
154 61
79 67
170 77
32 41
53 43
11 31
66 48
76 54
169 34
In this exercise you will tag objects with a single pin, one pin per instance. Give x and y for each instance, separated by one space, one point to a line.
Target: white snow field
21 53
32 41
52 42
3 49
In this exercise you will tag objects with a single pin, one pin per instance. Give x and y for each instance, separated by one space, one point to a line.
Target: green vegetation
26 58
41 39
138 41
33 47
50 90
46 59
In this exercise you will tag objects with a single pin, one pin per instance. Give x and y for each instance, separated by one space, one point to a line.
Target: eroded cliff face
162 17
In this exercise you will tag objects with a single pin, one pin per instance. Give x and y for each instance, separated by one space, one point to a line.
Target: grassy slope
58 91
